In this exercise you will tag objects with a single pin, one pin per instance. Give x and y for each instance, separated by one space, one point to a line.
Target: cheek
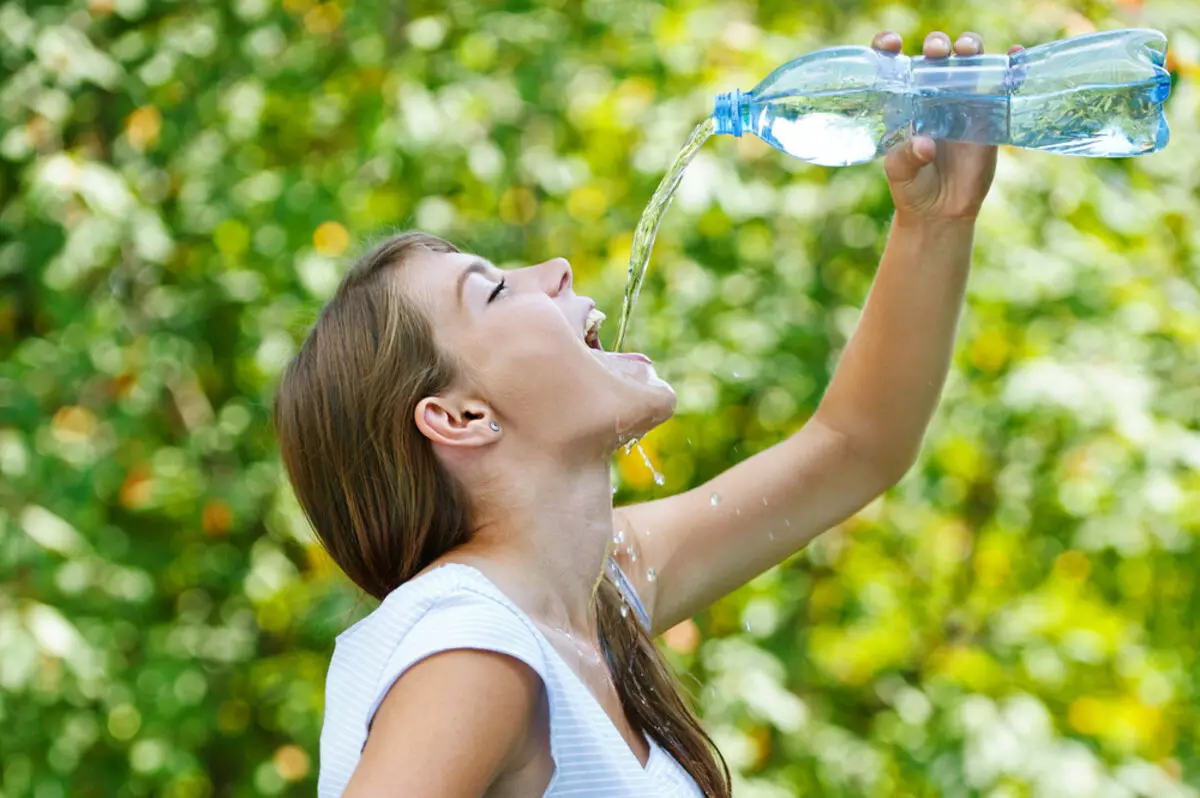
532 330
531 351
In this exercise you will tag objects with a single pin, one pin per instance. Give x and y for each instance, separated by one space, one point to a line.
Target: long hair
383 505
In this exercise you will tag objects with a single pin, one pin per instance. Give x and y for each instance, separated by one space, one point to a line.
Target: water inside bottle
647 226
842 128
1104 121
825 128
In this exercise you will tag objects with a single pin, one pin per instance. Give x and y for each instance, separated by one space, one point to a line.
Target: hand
947 179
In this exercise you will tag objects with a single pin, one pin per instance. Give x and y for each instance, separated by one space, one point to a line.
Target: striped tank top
455 606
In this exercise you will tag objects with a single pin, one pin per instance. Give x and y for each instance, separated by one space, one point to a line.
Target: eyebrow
476 267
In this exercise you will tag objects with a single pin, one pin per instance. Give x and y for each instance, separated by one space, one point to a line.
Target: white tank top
456 606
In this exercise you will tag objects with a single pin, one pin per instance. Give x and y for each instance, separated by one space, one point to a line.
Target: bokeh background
181 184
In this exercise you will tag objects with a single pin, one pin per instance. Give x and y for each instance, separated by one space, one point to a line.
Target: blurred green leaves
181 185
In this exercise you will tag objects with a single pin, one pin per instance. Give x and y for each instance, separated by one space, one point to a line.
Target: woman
448 428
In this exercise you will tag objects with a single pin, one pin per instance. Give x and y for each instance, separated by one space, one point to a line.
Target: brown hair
385 508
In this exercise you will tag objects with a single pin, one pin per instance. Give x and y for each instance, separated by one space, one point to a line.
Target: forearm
887 385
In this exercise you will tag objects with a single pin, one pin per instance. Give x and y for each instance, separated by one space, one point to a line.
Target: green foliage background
181 183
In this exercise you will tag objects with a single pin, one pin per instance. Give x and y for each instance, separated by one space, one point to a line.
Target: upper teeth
594 319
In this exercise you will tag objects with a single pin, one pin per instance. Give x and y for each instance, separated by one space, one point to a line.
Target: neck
542 532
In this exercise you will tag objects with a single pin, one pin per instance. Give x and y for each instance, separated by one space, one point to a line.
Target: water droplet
633 555
624 611
650 575
614 489
619 538
736 375
787 522
738 511
658 478
771 535
689 440
714 499
746 626
764 501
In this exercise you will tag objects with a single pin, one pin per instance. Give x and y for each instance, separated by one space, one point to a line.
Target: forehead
433 277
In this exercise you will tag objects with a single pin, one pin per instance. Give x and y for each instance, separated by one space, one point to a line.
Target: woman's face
519 337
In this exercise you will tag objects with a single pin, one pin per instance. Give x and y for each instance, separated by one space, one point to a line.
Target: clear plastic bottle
1098 95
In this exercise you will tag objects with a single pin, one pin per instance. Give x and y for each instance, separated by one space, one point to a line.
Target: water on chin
633 370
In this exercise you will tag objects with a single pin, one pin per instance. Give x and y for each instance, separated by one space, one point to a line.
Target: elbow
880 460
896 468
887 466
882 465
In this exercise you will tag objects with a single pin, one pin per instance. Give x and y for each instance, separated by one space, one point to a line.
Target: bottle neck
732 113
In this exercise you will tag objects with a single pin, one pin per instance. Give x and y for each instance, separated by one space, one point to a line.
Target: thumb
903 163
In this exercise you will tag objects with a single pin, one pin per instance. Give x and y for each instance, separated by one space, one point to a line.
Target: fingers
937 45
887 40
903 163
968 43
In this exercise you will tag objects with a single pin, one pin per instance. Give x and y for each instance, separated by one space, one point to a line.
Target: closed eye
500 286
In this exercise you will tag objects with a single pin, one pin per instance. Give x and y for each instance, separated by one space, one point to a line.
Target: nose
555 276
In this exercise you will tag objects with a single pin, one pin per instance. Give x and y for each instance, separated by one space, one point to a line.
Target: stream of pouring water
647 227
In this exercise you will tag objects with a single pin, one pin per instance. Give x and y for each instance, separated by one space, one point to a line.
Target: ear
451 421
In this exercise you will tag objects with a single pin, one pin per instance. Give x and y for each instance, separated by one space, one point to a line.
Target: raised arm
870 423
451 727
860 441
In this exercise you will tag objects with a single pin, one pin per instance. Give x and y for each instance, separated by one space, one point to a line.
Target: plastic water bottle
1098 95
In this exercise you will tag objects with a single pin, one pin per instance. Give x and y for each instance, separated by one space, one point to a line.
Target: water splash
647 227
658 478
714 499
624 611
619 537
650 575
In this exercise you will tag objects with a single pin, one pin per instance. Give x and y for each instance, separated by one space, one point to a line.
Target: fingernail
965 41
889 38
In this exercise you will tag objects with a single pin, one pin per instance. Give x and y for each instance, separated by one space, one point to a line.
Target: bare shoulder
454 724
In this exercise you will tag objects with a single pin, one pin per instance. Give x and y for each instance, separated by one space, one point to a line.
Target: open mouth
591 329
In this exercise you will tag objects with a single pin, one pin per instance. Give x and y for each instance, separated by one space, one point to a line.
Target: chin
654 407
